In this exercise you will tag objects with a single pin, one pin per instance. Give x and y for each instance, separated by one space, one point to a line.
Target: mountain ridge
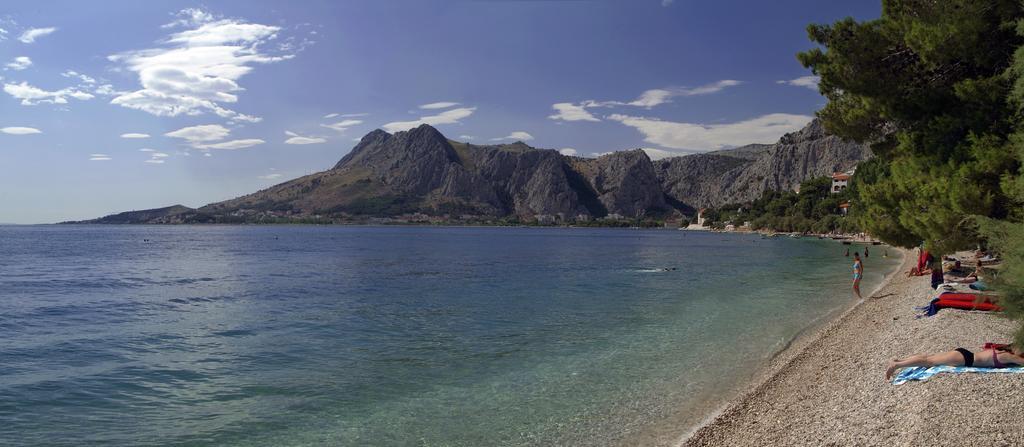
420 172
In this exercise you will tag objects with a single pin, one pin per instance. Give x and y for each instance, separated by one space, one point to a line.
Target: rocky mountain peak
812 131
420 171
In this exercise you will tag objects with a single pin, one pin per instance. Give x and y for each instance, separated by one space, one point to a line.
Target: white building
840 180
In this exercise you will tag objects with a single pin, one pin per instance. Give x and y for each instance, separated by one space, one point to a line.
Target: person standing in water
865 251
858 273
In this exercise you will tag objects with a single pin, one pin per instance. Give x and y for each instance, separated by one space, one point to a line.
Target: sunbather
924 259
994 357
970 278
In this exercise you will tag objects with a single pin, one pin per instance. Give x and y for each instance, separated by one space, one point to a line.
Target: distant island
420 176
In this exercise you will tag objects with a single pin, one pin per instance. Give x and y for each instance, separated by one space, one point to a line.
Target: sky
124 105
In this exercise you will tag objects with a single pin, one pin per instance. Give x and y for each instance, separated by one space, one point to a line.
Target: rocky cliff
421 171
743 174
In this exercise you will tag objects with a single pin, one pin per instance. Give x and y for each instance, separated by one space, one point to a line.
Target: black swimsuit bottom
969 359
968 356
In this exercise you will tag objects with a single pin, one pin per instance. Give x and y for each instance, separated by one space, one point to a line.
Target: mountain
419 173
743 174
167 215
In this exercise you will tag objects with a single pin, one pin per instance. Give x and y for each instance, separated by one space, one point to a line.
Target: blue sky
122 105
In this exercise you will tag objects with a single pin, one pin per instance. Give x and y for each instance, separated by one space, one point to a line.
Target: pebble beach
829 387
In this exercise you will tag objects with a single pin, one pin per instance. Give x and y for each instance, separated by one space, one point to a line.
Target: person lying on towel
991 356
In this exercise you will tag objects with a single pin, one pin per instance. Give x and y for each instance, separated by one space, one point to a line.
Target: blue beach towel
928 310
921 373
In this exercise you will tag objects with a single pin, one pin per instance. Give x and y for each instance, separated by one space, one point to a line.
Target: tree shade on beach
937 88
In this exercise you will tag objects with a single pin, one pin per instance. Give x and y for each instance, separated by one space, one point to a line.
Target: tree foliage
937 88
814 209
928 84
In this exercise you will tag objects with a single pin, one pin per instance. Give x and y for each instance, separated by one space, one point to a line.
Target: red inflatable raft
965 301
970 297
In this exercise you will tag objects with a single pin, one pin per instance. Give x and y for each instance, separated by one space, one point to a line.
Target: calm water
302 335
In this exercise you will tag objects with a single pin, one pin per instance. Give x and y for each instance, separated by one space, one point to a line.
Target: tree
937 88
927 84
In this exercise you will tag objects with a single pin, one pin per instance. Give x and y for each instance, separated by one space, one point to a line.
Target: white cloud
197 70
658 154
439 105
517 135
299 139
32 34
232 145
571 112
270 176
207 154
568 151
19 63
190 17
108 90
20 130
199 134
135 135
342 126
76 75
648 99
466 137
155 157
146 149
705 137
31 95
345 115
810 82
447 117
99 157
658 96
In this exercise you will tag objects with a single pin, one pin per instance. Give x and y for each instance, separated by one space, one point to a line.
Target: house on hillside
840 180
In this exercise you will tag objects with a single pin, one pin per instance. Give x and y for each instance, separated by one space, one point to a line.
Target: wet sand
829 387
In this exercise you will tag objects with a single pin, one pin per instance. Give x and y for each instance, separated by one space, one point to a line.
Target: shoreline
787 354
828 386
677 428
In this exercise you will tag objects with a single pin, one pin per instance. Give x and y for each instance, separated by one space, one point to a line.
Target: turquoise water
303 335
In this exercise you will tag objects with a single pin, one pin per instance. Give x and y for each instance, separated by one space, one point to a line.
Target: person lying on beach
1002 356
970 278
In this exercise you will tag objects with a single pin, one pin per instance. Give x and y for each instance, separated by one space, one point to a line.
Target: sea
395 336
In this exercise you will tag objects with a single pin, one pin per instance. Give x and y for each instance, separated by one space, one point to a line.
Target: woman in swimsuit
996 357
858 273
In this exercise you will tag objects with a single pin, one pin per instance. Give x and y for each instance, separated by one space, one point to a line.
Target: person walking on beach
858 273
